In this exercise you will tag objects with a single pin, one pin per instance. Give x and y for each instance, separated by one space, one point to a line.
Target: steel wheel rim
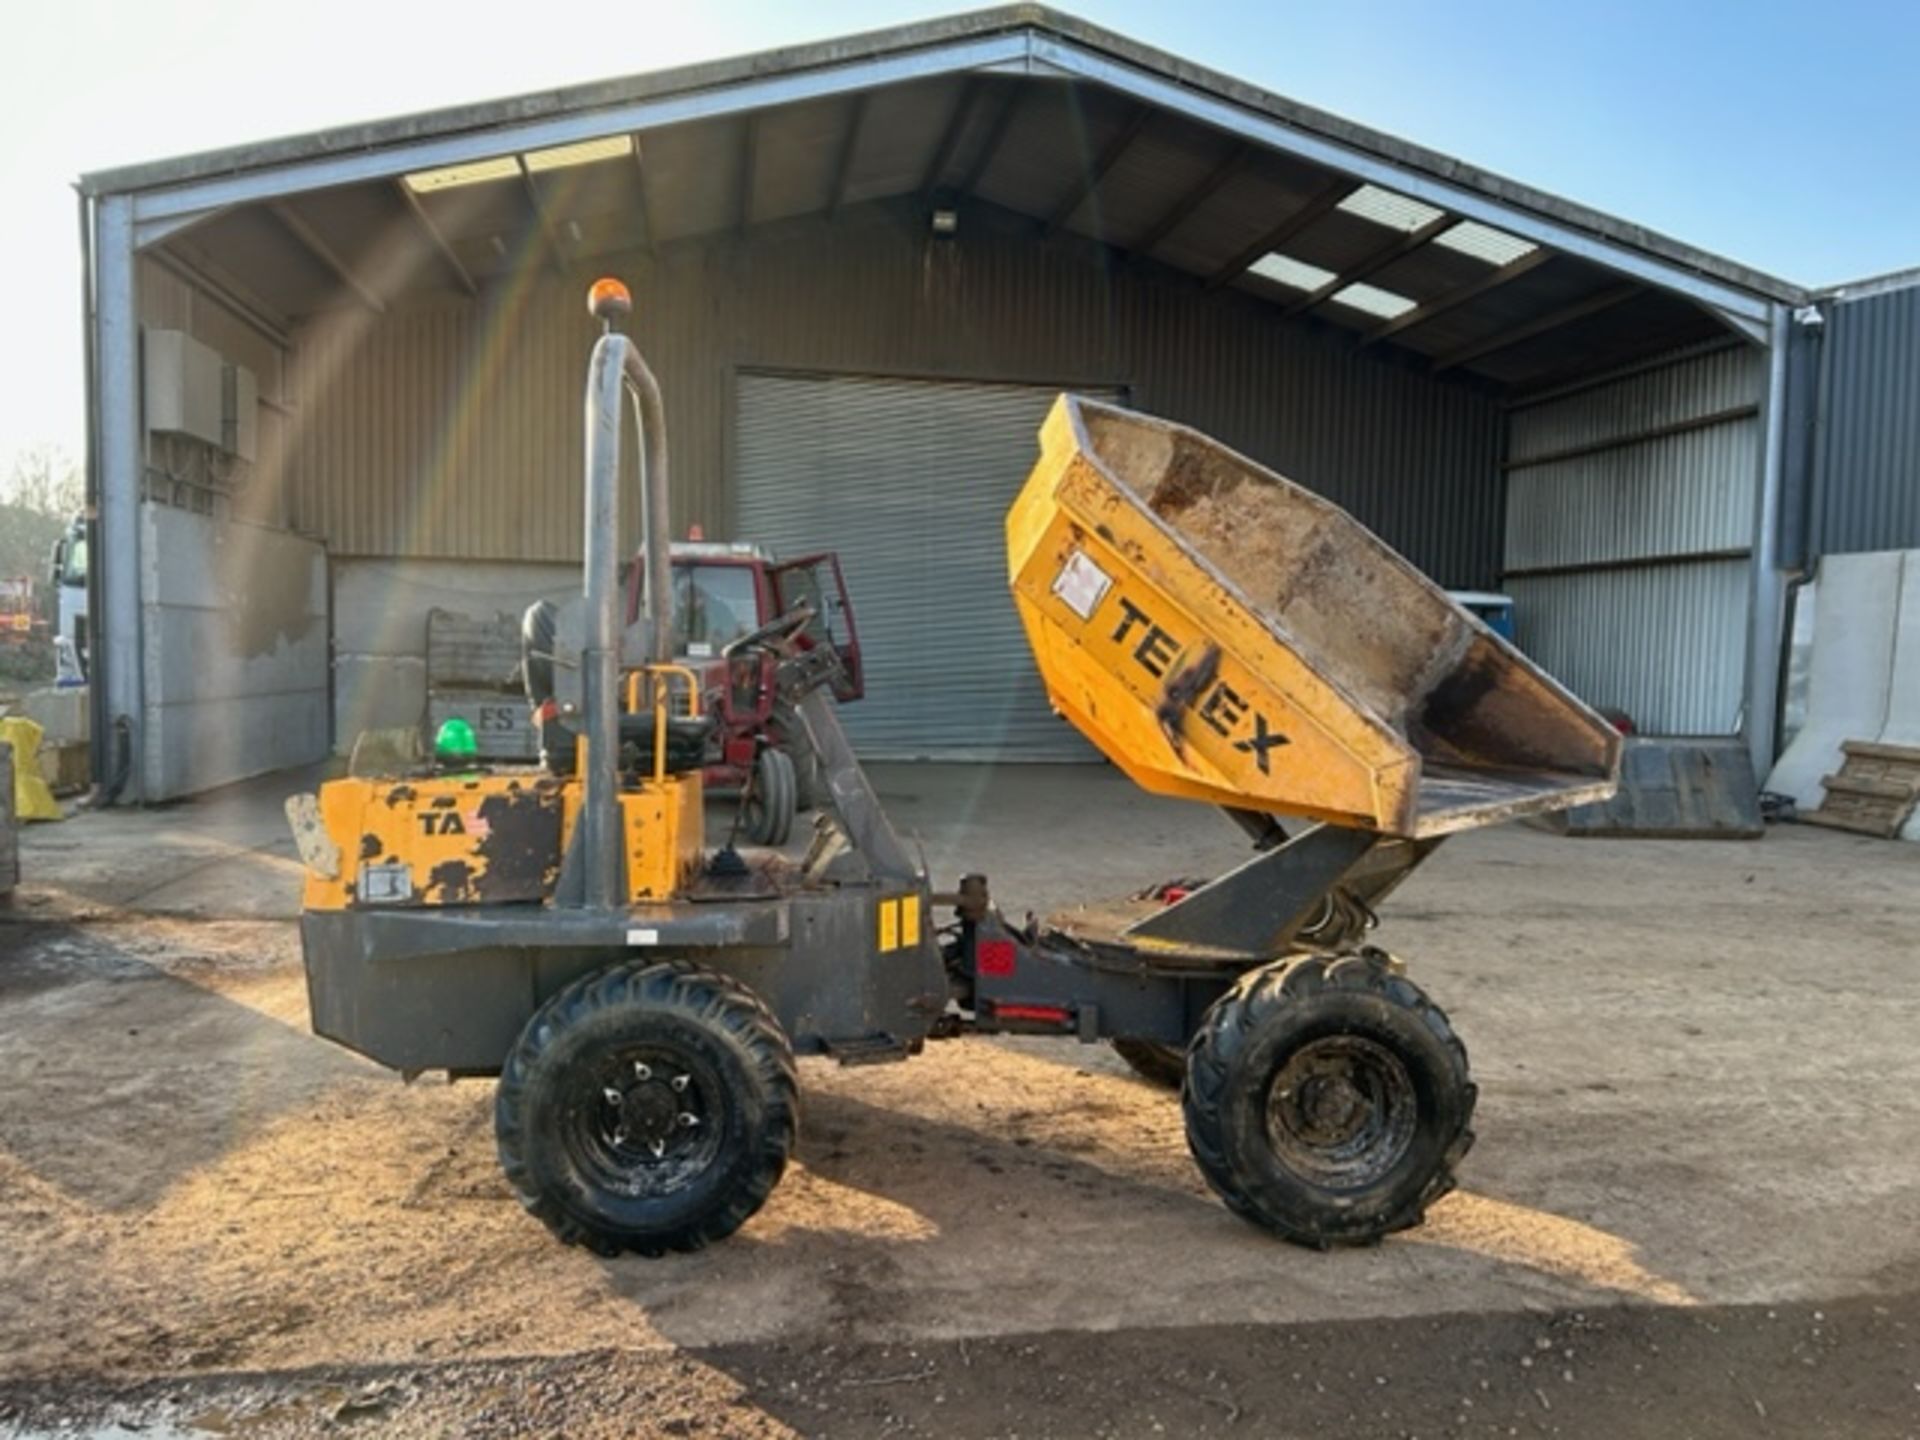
1342 1112
645 1120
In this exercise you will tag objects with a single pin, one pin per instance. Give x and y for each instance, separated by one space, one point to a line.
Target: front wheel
647 1108
1327 1099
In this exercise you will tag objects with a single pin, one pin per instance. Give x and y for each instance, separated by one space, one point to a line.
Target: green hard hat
455 740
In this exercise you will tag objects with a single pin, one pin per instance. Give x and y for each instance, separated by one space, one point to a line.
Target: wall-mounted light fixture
945 221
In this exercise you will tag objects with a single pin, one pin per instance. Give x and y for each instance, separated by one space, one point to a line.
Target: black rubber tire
810 780
1154 1062
772 801
537 630
550 1127
1310 1007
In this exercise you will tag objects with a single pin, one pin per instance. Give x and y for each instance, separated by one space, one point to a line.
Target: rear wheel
772 799
810 776
1327 1099
1154 1062
647 1108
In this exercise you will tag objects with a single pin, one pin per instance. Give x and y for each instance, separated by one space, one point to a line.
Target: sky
1785 135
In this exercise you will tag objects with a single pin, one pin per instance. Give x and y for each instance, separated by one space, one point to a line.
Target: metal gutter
1870 286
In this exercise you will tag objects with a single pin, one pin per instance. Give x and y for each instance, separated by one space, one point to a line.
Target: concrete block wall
380 628
234 651
1863 672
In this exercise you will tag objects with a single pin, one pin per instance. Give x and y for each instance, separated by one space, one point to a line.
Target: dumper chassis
642 997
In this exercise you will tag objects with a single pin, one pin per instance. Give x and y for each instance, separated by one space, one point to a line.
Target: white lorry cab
69 586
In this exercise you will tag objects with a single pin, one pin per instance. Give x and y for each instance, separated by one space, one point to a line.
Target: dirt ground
1696 1190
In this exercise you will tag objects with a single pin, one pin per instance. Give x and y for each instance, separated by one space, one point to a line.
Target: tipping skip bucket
1226 635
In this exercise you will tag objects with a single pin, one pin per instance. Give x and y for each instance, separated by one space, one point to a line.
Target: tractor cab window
816 582
712 605
829 625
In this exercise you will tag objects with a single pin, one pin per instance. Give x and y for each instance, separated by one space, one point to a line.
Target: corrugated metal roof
1110 158
1047 31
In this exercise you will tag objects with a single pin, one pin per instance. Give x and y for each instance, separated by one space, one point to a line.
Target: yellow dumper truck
1220 633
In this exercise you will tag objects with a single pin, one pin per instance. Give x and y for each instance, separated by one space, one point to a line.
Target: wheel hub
1332 1107
652 1113
648 1111
1342 1111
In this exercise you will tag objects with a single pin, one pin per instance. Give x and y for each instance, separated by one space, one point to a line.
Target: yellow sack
32 800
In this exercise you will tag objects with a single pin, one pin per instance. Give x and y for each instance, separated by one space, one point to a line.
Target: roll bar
616 365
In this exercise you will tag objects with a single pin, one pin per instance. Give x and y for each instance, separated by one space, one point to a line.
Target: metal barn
335 379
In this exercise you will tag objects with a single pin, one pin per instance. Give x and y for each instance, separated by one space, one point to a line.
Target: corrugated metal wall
1867 457
1630 511
167 302
453 429
910 481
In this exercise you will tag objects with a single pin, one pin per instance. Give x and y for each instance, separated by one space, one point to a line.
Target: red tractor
727 599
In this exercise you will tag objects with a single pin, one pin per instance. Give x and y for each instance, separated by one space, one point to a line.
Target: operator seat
688 736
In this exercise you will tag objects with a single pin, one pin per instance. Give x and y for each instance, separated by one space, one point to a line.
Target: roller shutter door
910 482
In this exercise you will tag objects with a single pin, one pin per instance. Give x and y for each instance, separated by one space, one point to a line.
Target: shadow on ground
125 1079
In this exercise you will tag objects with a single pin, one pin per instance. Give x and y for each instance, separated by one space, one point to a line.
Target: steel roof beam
488 143
1318 205
950 137
1024 50
1373 264
989 148
1221 113
433 233
310 240
843 167
1458 296
749 173
1539 325
645 201
150 233
1084 187
226 291
1190 201
542 222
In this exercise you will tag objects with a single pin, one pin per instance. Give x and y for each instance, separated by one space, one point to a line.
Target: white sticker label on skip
643 937
385 884
1082 584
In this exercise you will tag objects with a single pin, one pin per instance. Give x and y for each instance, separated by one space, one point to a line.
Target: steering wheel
780 629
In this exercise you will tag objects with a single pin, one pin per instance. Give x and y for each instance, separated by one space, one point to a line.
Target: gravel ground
1846 1371
1700 1092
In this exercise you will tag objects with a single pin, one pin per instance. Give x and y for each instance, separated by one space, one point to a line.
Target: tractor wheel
810 777
772 799
1327 1099
538 629
1154 1062
647 1108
